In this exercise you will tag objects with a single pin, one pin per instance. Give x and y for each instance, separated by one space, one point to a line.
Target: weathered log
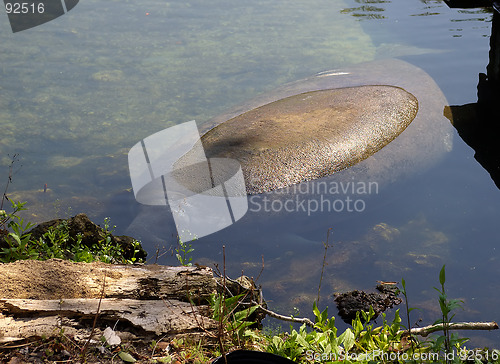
56 279
39 298
27 318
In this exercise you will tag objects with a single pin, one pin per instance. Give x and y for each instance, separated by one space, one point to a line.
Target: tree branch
285 318
426 330
421 331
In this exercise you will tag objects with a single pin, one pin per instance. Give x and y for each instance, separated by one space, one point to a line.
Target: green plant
83 253
408 311
446 341
182 252
321 343
137 246
57 243
234 319
12 218
53 242
292 345
389 342
186 352
18 240
108 251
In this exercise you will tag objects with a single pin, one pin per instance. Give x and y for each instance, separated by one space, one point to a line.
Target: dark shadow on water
478 123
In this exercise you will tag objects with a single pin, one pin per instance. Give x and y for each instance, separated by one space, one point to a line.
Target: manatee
424 142
327 123
311 135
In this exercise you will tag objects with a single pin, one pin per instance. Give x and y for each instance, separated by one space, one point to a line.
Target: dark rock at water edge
349 303
91 234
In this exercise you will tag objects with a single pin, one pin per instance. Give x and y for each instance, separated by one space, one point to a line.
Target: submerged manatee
318 126
422 144
311 135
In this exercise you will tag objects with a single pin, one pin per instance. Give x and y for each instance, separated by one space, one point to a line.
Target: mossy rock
80 226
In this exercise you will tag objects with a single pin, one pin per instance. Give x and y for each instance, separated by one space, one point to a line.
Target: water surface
77 93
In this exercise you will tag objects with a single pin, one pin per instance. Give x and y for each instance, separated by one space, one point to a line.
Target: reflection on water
477 123
78 92
374 11
367 11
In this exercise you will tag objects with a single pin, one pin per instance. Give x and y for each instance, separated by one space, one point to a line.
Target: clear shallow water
78 92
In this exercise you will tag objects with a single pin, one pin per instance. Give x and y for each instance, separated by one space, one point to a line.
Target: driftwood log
41 298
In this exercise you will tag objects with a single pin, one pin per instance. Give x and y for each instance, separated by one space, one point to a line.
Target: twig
9 179
324 262
304 320
220 335
405 294
261 270
14 346
84 349
426 330
156 344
